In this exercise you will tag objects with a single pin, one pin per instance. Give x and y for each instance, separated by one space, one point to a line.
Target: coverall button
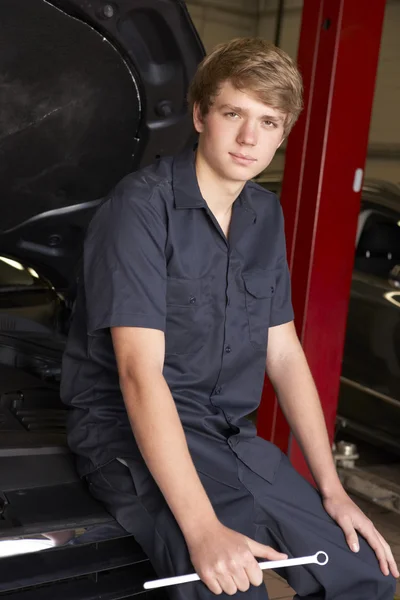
218 390
192 300
228 349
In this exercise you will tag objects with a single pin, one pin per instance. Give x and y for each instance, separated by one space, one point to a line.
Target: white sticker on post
358 179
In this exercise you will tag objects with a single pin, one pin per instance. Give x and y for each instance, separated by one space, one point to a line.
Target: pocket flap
260 456
183 292
259 284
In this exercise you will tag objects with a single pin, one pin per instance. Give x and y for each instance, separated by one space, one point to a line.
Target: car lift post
325 157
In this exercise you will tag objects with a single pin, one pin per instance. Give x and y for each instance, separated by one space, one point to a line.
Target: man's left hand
352 520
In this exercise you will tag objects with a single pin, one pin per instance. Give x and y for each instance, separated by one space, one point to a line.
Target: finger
254 573
262 551
212 584
227 584
370 534
350 533
389 555
241 579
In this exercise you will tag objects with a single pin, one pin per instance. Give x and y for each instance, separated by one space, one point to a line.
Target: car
369 397
369 402
90 91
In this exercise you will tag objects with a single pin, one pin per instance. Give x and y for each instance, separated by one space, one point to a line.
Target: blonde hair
253 65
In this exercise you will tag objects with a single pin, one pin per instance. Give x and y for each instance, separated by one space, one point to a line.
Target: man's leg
131 496
290 512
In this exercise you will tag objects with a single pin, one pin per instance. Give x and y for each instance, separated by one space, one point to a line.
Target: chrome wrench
320 558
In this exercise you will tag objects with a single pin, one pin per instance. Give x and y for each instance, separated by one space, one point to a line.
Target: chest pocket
186 324
260 290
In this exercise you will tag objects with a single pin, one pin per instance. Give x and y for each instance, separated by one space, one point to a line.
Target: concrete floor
386 522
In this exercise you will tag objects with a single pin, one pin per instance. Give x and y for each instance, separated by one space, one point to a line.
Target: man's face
239 135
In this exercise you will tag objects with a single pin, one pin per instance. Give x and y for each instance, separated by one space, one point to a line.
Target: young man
184 281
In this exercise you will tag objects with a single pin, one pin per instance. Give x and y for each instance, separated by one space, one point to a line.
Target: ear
198 120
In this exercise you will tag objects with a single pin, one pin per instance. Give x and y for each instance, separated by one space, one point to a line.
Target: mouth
243 158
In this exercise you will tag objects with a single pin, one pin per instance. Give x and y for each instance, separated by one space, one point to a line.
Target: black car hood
89 92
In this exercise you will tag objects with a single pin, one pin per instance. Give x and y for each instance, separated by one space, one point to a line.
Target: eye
231 114
270 124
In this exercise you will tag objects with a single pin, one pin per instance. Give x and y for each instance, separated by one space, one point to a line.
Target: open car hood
90 92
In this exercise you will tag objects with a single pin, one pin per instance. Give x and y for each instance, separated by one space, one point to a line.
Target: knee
386 587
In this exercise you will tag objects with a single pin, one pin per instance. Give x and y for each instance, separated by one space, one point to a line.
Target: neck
218 192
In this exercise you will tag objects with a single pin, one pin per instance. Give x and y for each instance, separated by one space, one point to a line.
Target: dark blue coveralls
156 257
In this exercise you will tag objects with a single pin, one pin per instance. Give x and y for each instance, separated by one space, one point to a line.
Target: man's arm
224 559
157 427
291 378
290 375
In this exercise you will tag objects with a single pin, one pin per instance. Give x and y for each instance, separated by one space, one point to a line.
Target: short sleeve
282 310
124 264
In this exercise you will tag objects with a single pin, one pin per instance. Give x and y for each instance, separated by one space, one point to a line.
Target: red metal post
338 57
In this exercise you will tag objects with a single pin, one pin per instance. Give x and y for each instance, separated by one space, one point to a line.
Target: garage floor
388 523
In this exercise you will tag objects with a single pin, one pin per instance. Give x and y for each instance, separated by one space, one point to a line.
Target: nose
247 135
